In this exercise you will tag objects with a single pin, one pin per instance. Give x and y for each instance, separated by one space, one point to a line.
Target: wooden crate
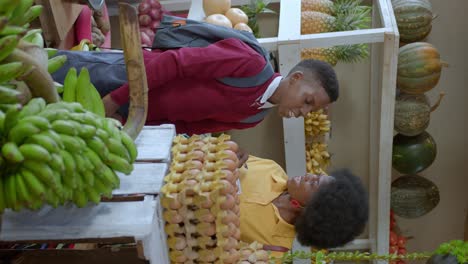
133 215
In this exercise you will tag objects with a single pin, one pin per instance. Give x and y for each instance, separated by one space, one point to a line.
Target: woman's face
301 188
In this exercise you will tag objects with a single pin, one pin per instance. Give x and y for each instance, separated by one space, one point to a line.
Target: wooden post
136 72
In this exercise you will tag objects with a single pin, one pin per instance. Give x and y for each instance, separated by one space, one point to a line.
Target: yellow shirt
261 183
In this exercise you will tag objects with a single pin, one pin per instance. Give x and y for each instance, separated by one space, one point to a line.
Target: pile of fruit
201 202
317 158
319 16
52 151
150 13
316 126
316 123
220 12
397 242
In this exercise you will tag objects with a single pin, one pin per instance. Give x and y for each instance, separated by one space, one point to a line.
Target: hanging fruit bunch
320 16
150 13
201 202
52 151
317 158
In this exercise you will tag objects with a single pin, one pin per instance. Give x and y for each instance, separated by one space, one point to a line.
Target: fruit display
413 154
253 253
317 158
220 12
412 113
150 13
397 241
201 202
413 196
320 16
414 19
419 67
52 152
316 123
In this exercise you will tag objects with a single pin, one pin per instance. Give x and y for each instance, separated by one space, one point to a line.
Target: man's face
301 97
301 188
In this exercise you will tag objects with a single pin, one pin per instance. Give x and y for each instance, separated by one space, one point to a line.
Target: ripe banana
316 123
317 158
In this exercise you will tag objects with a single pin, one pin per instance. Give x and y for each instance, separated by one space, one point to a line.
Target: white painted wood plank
270 44
154 143
341 38
154 245
289 21
146 178
196 10
385 11
105 220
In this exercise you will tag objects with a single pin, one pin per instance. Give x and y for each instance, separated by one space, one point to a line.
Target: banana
3 204
108 176
36 39
128 142
100 133
52 198
96 101
86 131
87 118
10 96
116 147
99 147
55 114
8 107
51 52
69 177
82 89
38 121
58 87
93 157
80 163
88 177
55 63
31 37
102 188
88 165
54 136
22 131
35 152
110 127
2 122
34 185
66 127
7 45
57 163
10 192
35 106
43 172
80 198
119 164
93 195
18 13
22 191
7 7
11 70
11 119
12 153
72 144
32 13
12 30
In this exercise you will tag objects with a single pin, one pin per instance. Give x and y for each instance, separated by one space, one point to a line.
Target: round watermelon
413 154
413 196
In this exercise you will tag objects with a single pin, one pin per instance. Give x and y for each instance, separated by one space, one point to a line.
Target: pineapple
323 6
316 22
323 54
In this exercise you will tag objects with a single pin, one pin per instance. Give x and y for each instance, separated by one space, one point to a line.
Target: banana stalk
38 79
136 73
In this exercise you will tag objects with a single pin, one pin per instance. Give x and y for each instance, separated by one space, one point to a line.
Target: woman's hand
243 156
110 106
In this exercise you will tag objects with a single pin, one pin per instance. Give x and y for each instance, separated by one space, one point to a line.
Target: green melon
413 154
412 113
413 196
414 19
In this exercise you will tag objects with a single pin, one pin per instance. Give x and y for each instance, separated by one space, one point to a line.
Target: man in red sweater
185 89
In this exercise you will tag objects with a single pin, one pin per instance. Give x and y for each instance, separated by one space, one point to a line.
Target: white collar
269 92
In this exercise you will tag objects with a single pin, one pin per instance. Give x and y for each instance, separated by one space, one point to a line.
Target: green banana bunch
60 153
78 88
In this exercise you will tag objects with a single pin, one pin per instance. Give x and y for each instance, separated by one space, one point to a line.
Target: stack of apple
397 241
220 12
150 13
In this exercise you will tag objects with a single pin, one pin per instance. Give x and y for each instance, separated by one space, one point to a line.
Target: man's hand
110 106
243 156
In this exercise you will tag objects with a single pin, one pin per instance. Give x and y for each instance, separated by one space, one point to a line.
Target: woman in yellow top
323 211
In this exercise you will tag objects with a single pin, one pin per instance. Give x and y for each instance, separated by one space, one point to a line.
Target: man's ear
296 76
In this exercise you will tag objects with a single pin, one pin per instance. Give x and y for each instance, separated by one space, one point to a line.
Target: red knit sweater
183 89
